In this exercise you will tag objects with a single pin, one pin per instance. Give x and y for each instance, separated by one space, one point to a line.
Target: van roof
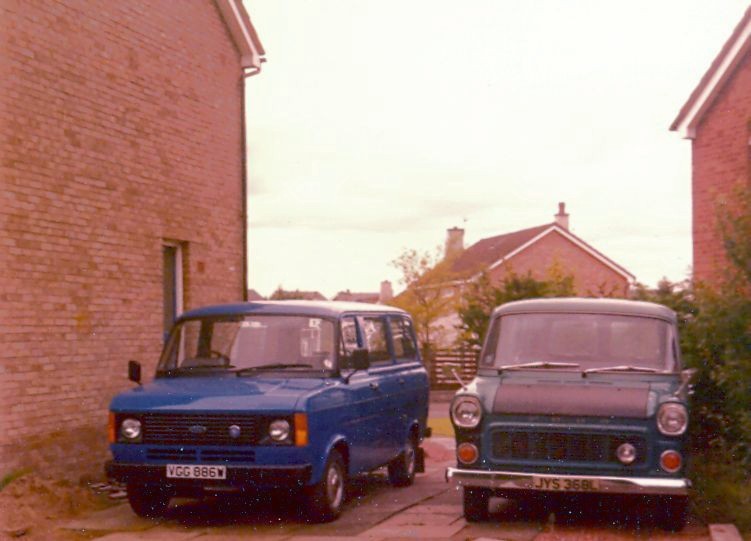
289 307
589 306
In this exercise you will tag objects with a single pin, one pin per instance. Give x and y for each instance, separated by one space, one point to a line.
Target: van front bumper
237 476
518 481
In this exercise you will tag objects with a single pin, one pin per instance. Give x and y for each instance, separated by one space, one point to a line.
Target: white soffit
687 121
250 56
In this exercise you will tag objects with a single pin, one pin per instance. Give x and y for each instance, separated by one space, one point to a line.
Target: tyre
149 501
476 502
325 499
402 468
672 513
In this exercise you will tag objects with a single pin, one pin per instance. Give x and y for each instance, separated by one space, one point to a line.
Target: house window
172 284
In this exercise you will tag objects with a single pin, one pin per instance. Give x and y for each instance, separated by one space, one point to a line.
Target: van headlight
279 430
466 411
130 430
672 419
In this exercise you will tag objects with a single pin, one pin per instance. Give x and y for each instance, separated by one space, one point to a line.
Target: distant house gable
254 295
487 254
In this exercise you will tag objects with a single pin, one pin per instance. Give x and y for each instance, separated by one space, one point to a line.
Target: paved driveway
375 511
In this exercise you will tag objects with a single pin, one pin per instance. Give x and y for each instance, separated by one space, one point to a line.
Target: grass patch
441 426
12 476
722 490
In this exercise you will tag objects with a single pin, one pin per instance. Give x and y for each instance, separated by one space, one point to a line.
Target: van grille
201 429
558 446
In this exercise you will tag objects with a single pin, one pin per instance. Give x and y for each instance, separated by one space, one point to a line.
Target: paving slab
509 531
724 532
418 522
116 518
154 534
239 534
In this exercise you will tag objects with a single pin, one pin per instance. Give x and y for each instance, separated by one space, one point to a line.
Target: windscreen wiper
196 368
622 368
272 366
542 364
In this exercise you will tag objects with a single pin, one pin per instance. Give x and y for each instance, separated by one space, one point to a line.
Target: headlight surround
130 430
672 419
279 430
466 411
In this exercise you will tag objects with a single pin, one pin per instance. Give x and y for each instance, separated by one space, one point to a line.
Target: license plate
195 471
565 484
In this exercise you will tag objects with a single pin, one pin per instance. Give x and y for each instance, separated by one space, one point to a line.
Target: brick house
717 120
123 201
542 251
539 250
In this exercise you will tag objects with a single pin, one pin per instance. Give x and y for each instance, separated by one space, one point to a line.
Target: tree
427 295
282 294
482 297
735 226
715 325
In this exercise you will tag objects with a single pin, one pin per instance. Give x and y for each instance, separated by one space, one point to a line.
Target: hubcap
334 486
409 457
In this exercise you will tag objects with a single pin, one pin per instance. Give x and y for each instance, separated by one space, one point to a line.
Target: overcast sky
376 125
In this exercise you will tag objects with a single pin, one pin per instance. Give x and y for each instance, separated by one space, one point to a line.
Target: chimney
562 217
454 242
387 292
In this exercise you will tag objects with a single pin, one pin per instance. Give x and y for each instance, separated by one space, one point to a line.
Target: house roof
254 295
309 295
485 252
243 33
713 81
494 251
371 297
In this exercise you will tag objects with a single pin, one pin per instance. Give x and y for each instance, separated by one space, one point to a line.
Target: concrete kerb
724 532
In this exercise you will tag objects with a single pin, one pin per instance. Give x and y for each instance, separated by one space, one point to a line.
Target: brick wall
720 155
120 127
591 276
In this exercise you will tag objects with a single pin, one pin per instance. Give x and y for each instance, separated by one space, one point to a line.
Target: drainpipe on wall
248 72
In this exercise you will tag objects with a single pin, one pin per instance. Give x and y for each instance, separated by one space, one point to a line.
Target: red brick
720 159
120 126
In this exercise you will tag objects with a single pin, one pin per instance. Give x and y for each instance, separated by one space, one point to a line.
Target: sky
374 126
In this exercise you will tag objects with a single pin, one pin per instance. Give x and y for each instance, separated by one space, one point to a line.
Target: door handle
402 381
375 386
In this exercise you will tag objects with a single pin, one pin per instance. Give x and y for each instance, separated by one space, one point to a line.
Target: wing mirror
686 377
134 371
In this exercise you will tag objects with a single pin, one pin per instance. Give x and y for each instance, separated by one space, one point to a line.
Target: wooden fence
440 364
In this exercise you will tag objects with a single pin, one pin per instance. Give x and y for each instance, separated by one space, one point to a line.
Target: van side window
349 342
374 329
404 341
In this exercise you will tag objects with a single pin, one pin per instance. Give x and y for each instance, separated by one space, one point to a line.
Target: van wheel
149 501
402 468
672 513
325 499
476 501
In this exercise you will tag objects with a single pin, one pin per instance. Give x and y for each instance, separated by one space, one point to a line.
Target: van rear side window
404 342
